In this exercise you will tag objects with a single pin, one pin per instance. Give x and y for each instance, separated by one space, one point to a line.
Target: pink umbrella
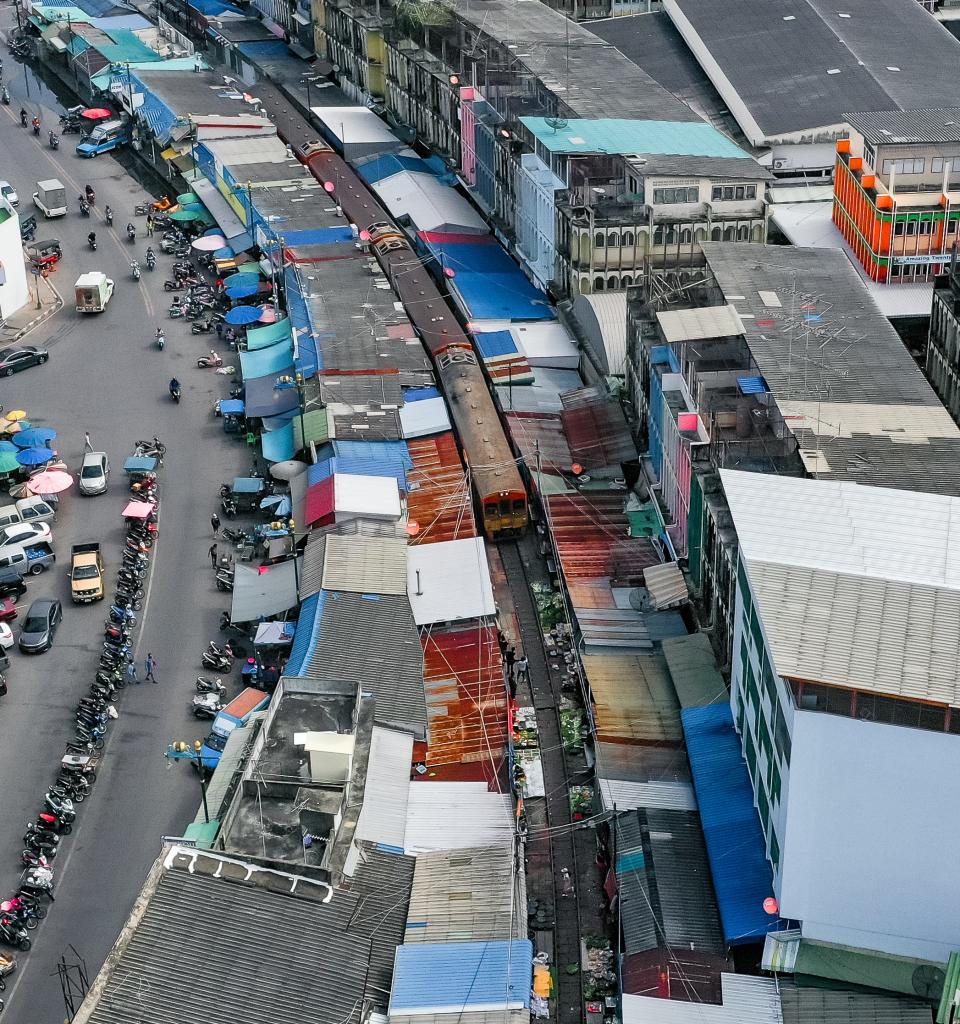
268 313
49 482
209 243
137 509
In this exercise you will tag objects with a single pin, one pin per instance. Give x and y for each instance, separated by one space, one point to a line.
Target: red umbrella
96 113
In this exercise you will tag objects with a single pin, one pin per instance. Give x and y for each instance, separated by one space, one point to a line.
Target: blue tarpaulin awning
277 445
269 334
736 849
266 360
231 407
263 398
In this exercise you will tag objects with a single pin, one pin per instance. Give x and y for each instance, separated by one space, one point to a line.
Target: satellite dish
556 123
927 981
639 599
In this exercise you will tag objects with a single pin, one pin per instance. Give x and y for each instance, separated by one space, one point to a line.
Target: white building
14 291
845 688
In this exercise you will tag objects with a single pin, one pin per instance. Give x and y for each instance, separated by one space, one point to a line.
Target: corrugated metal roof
634 702
596 428
467 895
372 639
666 585
746 1000
195 969
856 586
466 701
430 205
422 418
897 127
699 323
643 763
741 874
867 413
383 817
541 433
603 318
382 882
823 1006
263 593
461 978
693 669
449 581
454 815
629 136
623 795
438 496
666 894
365 565
231 761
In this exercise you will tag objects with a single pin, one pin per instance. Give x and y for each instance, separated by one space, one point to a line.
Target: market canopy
271 334
208 243
52 481
243 291
96 113
8 462
274 633
240 315
263 398
231 407
266 360
183 216
187 198
34 456
288 470
35 437
264 590
277 445
137 509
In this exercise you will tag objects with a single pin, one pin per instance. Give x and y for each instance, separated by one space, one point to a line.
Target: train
494 475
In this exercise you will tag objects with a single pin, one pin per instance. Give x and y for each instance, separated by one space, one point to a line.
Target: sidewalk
31 315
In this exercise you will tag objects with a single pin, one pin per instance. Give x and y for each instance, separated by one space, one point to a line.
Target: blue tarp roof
742 877
387 164
491 344
445 977
309 359
213 8
264 48
488 282
374 458
231 406
420 394
318 236
263 398
278 445
304 639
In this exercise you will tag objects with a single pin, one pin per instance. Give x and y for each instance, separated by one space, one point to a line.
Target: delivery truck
235 714
93 291
51 198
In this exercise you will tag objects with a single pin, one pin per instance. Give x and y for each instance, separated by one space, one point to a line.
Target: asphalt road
106 376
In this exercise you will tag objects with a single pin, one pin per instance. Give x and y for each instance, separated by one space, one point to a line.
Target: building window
598 239
613 240
598 284
686 235
676 195
925 227
869 154
627 239
731 193
899 228
908 166
743 233
716 235
626 281
611 283
781 735
658 236
671 235
730 234
774 851
938 163
911 227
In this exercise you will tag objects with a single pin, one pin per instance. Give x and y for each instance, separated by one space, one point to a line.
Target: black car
11 584
20 358
40 625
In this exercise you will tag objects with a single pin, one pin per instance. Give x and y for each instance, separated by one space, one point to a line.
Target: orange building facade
897 192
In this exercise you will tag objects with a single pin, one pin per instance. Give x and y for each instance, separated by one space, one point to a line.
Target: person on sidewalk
213 554
150 666
87 443
510 657
149 225
215 523
132 672
523 670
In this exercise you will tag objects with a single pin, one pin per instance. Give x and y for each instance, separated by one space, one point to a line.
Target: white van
27 510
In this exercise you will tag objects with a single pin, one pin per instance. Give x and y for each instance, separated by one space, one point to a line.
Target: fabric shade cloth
34 437
240 315
34 456
243 291
96 113
213 231
7 446
183 216
225 253
287 470
50 482
274 633
137 509
277 504
208 243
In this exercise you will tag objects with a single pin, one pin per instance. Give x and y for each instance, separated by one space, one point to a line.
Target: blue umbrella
34 436
213 231
7 446
242 278
226 253
278 504
240 315
34 456
242 291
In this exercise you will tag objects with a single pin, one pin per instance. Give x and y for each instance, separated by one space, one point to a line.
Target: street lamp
184 752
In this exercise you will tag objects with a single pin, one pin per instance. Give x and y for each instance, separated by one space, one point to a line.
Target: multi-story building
845 690
779 362
897 191
943 342
501 92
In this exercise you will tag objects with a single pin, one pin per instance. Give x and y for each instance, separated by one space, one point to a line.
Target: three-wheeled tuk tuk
243 495
45 254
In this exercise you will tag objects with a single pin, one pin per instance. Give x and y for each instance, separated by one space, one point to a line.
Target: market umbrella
16 414
7 446
183 216
242 291
278 504
8 462
53 481
137 509
241 315
287 470
268 314
251 267
187 197
213 231
96 113
35 436
226 253
34 456
209 243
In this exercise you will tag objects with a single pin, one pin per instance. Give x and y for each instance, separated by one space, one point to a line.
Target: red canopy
96 113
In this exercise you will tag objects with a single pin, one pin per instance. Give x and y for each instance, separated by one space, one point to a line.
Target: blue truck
237 713
103 138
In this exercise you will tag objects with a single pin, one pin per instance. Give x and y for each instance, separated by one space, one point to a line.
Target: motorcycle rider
151 256
36 125
131 230
174 386
92 239
108 214
23 118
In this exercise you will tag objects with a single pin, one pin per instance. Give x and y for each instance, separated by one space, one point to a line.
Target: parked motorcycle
13 933
206 705
212 686
212 359
216 662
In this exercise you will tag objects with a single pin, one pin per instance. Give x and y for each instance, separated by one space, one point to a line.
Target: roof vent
833 71
841 14
892 67
789 17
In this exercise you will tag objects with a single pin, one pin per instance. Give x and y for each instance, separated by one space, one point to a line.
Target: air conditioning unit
777 164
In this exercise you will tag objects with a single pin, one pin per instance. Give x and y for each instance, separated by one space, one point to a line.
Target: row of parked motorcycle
22 912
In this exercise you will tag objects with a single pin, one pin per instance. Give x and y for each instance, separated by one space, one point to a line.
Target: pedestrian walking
219 329
150 225
149 666
87 443
522 669
213 554
511 657
215 523
132 672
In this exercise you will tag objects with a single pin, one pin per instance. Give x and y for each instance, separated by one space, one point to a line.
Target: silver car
94 473
9 193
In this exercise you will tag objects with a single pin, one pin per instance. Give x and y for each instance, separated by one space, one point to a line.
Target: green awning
184 216
203 833
187 198
853 966
314 424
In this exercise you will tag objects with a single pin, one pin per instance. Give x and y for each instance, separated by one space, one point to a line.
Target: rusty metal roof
634 700
438 496
466 700
596 429
533 432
